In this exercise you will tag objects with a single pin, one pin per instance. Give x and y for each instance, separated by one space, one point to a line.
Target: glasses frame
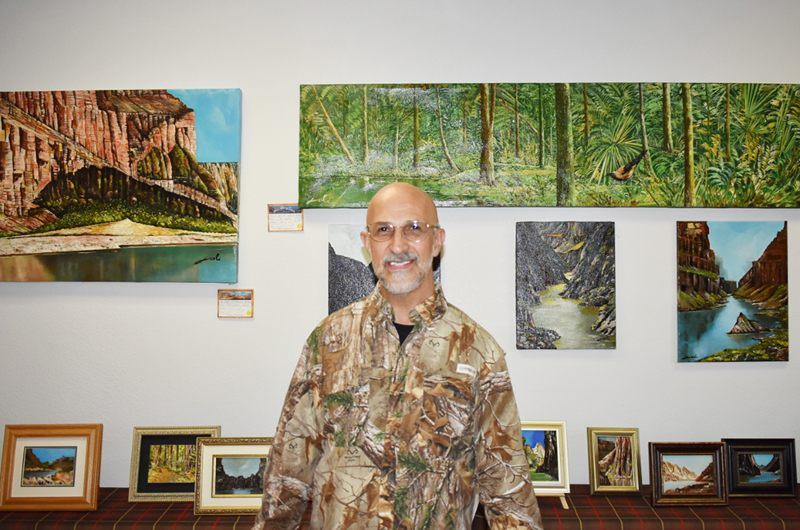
403 230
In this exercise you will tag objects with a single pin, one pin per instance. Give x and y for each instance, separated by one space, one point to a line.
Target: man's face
402 265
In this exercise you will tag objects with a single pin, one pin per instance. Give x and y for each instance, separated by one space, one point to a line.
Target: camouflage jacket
380 435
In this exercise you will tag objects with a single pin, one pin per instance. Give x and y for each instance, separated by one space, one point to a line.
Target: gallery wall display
164 462
229 475
120 185
553 144
615 464
686 473
350 274
51 467
546 450
566 285
733 295
761 467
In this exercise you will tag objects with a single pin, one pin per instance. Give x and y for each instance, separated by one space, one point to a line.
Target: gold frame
134 493
561 486
592 434
92 432
207 449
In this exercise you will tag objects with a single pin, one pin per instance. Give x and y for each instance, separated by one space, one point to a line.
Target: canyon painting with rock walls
566 294
733 294
93 181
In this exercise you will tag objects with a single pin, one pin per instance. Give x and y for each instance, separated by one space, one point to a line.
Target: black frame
784 447
714 449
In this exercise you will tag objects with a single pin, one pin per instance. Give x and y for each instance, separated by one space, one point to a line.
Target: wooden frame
215 493
615 463
773 476
688 474
552 436
147 482
82 443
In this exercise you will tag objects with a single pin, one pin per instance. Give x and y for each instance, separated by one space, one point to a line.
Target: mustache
405 256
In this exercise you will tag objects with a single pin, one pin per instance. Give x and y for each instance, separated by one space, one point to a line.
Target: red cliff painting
119 185
733 294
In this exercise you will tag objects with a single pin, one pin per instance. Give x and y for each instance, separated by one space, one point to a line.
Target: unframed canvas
119 185
733 294
552 144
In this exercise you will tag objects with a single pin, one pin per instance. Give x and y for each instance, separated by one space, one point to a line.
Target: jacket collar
426 313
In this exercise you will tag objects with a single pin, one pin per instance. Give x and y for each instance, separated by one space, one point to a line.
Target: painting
229 475
545 444
566 278
350 274
761 467
51 467
120 185
733 295
615 464
684 473
553 144
164 462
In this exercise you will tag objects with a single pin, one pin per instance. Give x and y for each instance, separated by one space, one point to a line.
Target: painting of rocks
566 285
688 475
553 144
119 185
615 464
350 274
733 295
238 476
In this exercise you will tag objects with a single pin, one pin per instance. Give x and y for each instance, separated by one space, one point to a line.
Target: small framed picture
164 461
684 473
229 475
51 467
546 448
615 464
761 467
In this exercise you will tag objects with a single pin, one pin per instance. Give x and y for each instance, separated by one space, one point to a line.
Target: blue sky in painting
241 466
763 459
694 463
49 454
532 437
739 243
218 120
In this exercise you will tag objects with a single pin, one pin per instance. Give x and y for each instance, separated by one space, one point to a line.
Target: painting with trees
172 463
553 144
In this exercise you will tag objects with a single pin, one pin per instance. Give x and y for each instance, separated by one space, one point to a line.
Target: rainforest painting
553 144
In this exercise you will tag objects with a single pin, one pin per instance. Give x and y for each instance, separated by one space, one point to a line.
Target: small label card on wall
285 218
234 303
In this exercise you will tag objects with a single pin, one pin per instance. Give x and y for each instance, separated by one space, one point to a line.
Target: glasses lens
381 231
415 231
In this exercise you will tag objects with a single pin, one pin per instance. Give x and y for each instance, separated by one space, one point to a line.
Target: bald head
400 197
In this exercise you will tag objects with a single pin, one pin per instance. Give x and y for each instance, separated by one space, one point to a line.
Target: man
400 410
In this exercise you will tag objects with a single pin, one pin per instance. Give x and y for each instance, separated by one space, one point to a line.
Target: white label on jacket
467 370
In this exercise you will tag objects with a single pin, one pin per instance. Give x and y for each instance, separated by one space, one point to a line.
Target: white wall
132 355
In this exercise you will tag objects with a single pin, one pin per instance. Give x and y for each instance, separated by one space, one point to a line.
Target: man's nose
398 244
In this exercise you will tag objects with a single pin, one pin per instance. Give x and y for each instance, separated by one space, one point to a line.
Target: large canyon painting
553 144
733 293
120 185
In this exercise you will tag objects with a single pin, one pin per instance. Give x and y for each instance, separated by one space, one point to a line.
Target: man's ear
438 241
365 242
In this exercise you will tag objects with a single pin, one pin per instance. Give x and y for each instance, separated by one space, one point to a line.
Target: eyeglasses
413 231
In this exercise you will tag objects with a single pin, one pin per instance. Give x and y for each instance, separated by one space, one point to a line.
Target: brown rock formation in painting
102 145
765 282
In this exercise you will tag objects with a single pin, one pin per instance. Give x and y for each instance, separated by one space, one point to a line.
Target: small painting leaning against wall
553 144
566 277
119 185
733 295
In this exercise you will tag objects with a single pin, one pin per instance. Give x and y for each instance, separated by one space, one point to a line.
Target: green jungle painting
120 185
554 144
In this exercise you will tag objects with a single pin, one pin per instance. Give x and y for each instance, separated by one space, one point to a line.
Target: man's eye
384 229
414 227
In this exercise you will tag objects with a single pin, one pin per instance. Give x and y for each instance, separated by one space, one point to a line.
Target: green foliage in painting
495 144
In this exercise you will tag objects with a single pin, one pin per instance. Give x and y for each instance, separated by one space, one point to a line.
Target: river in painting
571 320
168 263
704 333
